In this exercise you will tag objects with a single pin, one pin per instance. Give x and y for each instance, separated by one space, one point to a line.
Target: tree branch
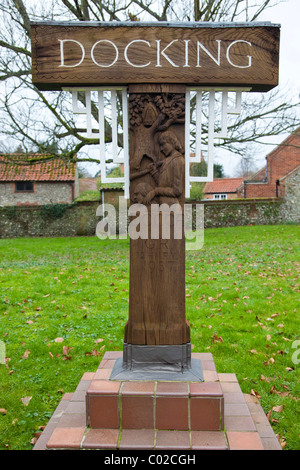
12 47
148 10
23 12
10 74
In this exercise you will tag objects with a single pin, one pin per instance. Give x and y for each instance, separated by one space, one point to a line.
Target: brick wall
283 159
259 189
280 162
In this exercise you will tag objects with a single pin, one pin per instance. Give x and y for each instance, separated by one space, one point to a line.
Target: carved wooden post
157 265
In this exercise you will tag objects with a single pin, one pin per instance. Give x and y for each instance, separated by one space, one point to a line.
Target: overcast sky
287 14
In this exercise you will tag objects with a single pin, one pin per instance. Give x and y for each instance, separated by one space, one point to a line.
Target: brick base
106 414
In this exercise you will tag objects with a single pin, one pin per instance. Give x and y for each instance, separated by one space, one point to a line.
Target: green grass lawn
64 302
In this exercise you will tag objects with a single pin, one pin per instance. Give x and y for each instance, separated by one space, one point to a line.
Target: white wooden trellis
86 110
226 109
106 98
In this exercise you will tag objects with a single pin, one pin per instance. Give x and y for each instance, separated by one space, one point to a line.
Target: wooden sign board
199 54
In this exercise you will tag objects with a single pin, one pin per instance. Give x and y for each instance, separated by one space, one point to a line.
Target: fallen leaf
217 339
255 394
96 353
266 379
59 340
281 394
66 350
270 361
278 409
274 420
3 411
99 340
26 354
253 351
282 443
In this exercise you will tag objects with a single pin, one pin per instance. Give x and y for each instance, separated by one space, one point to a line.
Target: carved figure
140 192
148 116
170 179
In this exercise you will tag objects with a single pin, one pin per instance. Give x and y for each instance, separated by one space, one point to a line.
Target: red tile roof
54 169
223 185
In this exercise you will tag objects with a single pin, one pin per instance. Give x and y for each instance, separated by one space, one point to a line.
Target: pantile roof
222 185
55 169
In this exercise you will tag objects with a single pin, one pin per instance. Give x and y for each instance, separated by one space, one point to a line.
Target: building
281 164
222 188
49 181
88 184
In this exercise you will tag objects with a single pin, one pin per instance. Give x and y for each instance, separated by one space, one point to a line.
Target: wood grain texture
157 265
64 55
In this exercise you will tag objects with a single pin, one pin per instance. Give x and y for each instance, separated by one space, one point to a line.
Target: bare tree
246 167
39 121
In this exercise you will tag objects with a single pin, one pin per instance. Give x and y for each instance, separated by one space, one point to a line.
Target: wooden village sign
155 67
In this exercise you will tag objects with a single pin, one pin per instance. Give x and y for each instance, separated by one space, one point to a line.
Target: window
24 186
220 196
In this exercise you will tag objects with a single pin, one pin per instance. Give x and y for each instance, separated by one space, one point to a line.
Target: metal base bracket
161 362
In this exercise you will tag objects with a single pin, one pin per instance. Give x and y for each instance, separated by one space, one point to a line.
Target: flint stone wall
80 219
